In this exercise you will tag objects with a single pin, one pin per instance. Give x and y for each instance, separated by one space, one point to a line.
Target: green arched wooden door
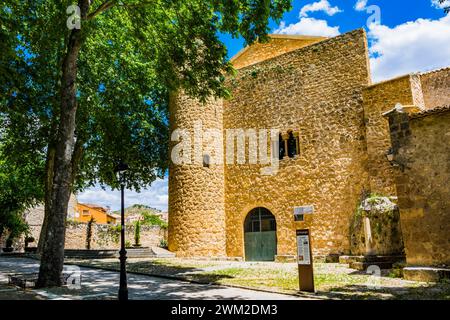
260 235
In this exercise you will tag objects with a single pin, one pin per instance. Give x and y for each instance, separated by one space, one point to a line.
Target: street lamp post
123 290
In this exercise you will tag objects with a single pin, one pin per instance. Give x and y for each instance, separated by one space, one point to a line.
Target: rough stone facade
317 92
197 193
319 89
436 88
278 45
378 99
422 160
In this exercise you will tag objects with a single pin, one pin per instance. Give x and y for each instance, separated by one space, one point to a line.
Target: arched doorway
260 235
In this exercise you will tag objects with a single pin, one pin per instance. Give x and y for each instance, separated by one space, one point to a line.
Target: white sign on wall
303 250
303 210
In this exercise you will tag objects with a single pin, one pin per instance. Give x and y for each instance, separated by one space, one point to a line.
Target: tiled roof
433 111
436 70
93 206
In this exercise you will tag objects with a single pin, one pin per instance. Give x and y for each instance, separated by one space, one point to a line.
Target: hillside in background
139 209
132 213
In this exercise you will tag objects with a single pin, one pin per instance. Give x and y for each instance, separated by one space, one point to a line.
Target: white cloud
410 47
438 5
361 5
322 5
310 27
155 196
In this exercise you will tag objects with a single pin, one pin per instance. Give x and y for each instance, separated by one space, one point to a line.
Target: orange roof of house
94 206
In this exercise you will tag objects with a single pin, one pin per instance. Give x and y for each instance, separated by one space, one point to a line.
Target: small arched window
289 145
282 148
292 145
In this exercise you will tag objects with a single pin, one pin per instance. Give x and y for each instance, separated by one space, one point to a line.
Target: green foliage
153 220
447 8
128 244
112 233
133 53
397 270
89 233
163 243
28 240
383 216
137 234
113 77
20 188
14 225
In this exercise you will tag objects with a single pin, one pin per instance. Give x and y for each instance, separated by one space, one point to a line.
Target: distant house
85 211
133 218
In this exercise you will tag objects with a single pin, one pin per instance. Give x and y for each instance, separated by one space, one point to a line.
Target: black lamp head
121 167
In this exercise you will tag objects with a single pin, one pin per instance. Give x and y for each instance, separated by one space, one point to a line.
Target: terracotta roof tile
428 112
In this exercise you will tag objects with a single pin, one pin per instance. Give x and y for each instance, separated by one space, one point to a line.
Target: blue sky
410 36
393 13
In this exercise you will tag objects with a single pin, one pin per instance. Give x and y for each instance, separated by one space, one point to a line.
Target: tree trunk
50 157
52 257
48 187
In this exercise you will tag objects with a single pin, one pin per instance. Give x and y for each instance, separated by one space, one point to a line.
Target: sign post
305 261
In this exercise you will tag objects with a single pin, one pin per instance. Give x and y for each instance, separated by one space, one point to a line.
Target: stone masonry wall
378 99
316 91
108 236
436 88
422 157
196 193
35 217
276 46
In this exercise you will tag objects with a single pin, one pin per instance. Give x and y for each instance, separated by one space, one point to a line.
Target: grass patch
331 280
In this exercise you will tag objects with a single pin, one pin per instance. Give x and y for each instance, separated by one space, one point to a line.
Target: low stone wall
103 236
108 236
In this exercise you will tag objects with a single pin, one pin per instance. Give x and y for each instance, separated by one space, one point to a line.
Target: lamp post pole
123 290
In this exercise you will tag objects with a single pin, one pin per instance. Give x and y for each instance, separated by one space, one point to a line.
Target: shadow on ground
159 268
437 291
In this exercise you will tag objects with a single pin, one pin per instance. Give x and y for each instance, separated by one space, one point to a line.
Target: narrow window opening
206 161
282 150
292 145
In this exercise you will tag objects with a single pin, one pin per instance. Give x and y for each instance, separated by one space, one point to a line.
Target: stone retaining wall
108 236
103 236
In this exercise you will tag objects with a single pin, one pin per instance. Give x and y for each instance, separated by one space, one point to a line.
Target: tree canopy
87 86
135 52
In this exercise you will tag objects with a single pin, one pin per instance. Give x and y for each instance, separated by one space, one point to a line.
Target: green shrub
137 234
89 233
163 243
153 220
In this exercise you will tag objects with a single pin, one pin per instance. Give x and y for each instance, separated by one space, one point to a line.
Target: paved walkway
101 284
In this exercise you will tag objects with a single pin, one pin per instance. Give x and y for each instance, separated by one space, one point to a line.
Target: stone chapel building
341 136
